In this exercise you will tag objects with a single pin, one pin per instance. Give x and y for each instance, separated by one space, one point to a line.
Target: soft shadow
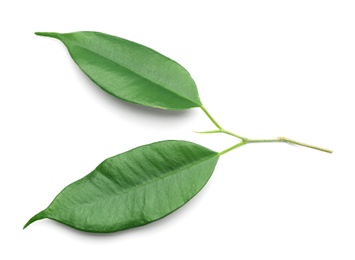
128 108
164 222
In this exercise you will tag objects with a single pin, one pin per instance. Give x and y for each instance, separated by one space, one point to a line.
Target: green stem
209 132
211 118
284 139
279 140
246 140
232 148
235 135
220 129
224 132
290 141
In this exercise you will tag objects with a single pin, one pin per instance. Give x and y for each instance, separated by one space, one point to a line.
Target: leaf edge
196 104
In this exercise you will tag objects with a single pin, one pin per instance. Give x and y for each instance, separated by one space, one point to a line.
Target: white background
263 69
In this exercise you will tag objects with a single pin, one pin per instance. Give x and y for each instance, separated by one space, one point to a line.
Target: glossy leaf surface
131 71
134 188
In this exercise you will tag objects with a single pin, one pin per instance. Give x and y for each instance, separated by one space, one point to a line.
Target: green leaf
131 71
133 188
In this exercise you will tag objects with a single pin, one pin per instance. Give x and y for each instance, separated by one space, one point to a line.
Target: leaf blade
134 188
130 71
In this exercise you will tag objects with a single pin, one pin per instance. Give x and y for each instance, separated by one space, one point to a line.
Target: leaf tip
40 215
48 34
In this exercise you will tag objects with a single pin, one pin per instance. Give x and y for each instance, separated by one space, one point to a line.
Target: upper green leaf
134 188
131 71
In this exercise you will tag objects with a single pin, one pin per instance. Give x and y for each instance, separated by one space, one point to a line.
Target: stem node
245 140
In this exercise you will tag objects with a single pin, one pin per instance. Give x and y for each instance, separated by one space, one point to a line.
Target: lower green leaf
133 188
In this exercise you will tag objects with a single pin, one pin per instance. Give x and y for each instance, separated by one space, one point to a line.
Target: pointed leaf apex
39 216
48 34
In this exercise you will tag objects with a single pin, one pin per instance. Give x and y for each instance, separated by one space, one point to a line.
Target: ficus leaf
130 71
133 188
